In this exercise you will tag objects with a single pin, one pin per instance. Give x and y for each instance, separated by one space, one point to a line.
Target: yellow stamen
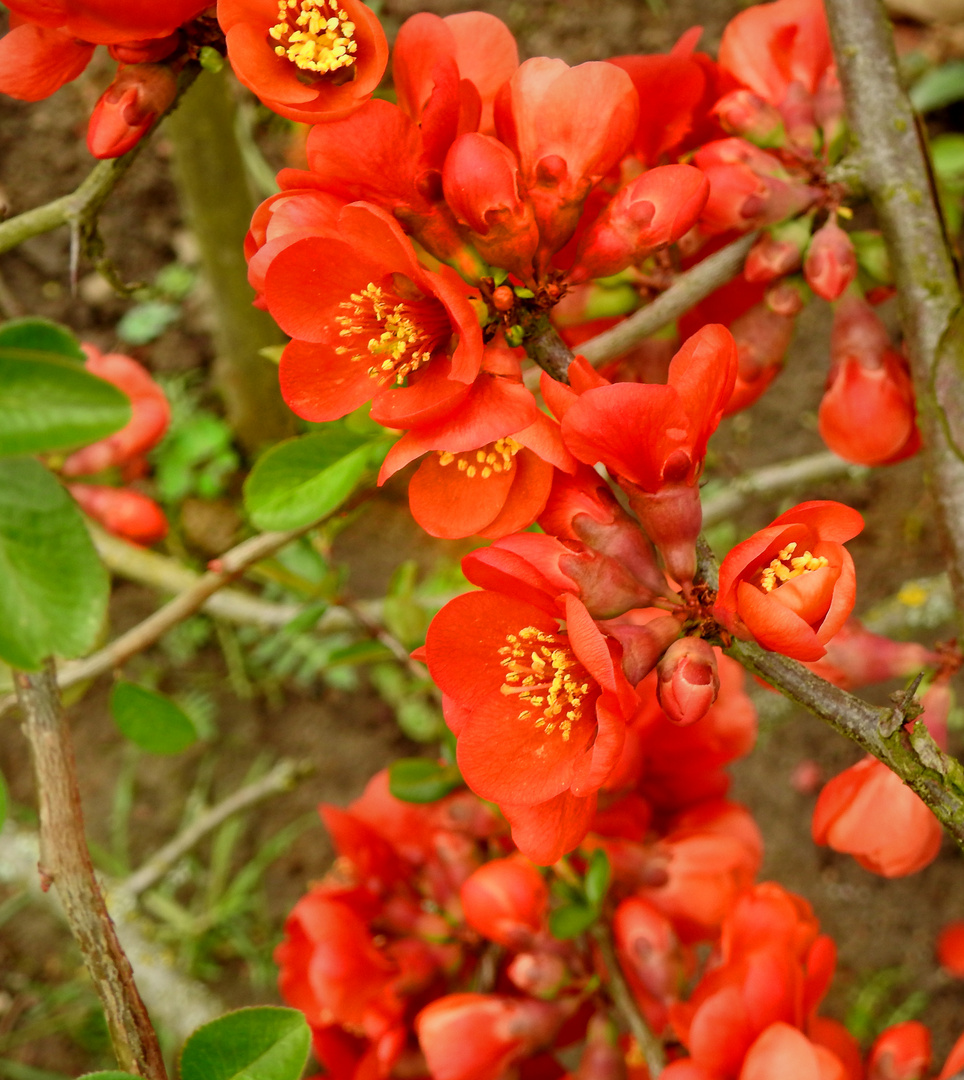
496 457
787 566
544 673
315 35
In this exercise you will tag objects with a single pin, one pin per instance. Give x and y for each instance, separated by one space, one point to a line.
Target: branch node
906 708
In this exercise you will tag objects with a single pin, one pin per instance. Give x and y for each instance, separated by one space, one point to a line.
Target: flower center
543 671
494 457
316 35
786 566
398 335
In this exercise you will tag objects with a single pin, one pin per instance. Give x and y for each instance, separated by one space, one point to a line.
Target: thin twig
688 289
935 776
897 180
65 862
777 480
624 1001
140 637
281 778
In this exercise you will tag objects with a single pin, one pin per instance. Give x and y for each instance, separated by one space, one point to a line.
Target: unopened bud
503 298
741 112
902 1052
831 262
505 901
128 108
643 645
778 251
688 681
124 513
539 974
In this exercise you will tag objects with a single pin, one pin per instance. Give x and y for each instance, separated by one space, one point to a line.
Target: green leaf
53 588
597 878
571 921
41 335
48 402
262 1043
422 780
147 321
360 652
150 720
939 87
303 479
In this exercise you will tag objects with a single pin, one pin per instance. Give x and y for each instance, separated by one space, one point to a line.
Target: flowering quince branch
896 179
688 289
913 755
65 862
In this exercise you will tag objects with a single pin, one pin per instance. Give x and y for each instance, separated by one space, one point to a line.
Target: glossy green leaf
49 402
422 780
301 480
597 878
263 1043
571 920
53 587
41 335
150 720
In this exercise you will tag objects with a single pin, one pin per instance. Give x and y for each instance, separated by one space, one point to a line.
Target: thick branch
688 289
896 178
65 861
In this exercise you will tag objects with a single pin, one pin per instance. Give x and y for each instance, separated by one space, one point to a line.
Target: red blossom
312 61
123 512
366 316
792 585
868 812
139 94
106 22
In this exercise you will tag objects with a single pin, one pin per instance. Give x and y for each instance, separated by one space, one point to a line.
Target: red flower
868 812
313 60
107 21
128 107
867 413
567 128
37 60
653 438
902 1052
792 585
539 712
505 900
366 316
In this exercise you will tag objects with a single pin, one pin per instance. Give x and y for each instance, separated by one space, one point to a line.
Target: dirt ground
879 926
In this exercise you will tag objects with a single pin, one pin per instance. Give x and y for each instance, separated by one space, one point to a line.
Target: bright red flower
366 316
902 1052
868 812
106 22
649 213
37 60
782 1050
567 127
653 439
505 900
867 414
792 585
769 47
480 1036
311 61
539 712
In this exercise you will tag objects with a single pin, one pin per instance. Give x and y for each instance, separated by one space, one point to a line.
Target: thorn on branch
906 708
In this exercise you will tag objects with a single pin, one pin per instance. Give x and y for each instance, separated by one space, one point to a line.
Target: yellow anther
778 571
315 35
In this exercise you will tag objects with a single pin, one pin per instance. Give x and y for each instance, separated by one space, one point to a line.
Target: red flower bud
128 107
124 513
950 948
479 1036
831 262
778 251
741 112
505 900
902 1052
688 681
539 974
643 645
